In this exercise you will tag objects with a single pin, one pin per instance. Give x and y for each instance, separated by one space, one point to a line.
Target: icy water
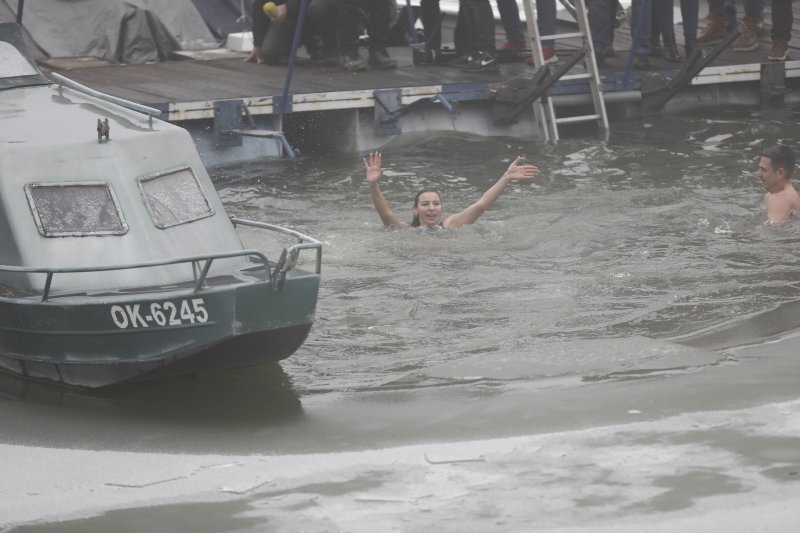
638 260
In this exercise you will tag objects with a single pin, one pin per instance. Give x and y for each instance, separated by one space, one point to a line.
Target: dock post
773 83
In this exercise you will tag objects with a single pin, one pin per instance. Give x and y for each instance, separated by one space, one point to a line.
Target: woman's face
428 209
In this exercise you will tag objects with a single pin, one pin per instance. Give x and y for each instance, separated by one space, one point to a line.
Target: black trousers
474 27
782 19
378 16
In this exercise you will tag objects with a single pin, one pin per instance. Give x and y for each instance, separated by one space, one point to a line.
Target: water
658 233
621 280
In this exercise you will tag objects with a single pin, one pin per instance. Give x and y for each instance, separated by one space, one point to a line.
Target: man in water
775 168
427 207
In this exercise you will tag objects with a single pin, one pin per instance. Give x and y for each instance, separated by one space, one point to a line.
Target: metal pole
295 45
20 7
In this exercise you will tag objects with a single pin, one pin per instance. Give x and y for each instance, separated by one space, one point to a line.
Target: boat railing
201 264
63 80
290 254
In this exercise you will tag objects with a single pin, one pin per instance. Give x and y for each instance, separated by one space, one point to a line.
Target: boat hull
100 340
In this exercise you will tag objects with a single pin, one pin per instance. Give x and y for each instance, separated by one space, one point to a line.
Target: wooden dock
188 89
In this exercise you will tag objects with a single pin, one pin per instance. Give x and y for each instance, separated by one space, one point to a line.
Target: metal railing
200 263
290 254
63 80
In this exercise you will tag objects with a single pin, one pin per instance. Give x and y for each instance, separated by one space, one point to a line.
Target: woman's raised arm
514 172
372 165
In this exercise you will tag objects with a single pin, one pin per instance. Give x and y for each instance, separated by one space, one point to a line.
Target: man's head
775 166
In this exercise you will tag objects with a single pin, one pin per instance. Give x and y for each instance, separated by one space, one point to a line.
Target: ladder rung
583 76
561 36
257 133
580 118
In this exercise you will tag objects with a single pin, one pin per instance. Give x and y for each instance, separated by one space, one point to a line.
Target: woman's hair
415 223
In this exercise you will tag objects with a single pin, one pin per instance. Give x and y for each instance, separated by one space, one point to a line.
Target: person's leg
655 33
321 29
431 16
715 29
690 13
599 12
482 22
753 16
547 24
348 16
512 24
380 14
782 21
640 32
665 22
546 20
277 43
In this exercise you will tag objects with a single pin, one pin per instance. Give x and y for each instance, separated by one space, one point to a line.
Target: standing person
690 13
601 28
515 34
775 168
475 37
378 21
716 29
782 20
272 36
663 29
428 204
512 25
641 27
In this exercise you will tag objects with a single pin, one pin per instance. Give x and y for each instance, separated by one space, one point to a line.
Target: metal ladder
543 107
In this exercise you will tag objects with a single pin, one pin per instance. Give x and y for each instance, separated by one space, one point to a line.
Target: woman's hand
517 171
254 56
372 164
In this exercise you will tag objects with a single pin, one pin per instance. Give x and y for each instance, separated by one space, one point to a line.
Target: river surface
642 261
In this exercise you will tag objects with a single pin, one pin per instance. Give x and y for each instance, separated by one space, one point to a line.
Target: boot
379 58
714 31
670 51
748 40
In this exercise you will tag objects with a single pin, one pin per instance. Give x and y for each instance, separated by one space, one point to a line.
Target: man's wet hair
781 156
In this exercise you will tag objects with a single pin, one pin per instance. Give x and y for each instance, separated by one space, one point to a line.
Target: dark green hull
104 339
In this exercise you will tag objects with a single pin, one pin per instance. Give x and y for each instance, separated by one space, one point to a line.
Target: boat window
174 197
13 63
75 209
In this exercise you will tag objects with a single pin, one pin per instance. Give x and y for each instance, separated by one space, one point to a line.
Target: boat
118 261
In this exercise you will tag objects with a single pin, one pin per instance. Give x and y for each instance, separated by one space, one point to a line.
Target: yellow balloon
270 10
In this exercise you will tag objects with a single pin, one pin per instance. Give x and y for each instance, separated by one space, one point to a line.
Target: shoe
482 62
460 61
642 62
748 40
354 64
549 55
780 50
689 44
670 50
714 31
508 46
380 59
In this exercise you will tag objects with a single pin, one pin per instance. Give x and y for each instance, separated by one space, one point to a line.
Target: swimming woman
428 204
